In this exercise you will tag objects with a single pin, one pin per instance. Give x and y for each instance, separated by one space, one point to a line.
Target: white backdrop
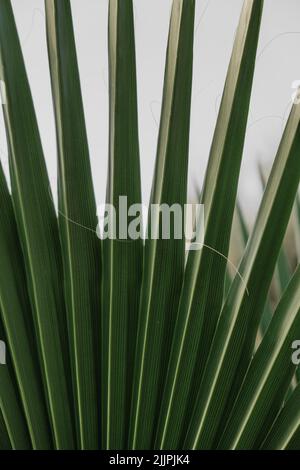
278 65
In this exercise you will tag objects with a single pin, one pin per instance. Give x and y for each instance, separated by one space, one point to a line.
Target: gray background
278 65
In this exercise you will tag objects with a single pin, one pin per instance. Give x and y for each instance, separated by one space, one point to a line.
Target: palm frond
125 343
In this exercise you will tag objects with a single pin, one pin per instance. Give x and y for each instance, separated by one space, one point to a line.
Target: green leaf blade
202 294
263 379
122 257
4 437
77 219
11 409
164 259
285 432
17 321
239 320
37 226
